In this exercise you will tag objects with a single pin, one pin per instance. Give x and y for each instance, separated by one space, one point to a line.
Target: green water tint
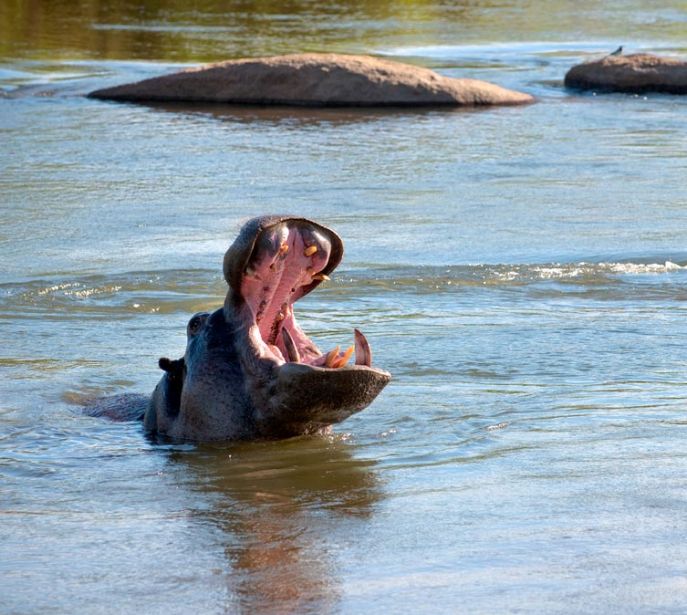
210 30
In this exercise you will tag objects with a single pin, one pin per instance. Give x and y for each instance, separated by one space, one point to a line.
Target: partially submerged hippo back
249 370
314 79
634 73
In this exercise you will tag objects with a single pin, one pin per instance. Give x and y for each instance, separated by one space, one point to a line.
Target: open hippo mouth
272 264
249 371
287 260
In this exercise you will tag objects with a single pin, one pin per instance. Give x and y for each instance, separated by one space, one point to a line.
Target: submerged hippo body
249 370
314 80
634 73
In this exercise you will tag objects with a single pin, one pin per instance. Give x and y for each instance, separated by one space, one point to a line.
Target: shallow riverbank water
522 272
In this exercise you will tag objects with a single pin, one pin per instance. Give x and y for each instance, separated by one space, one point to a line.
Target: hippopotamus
249 370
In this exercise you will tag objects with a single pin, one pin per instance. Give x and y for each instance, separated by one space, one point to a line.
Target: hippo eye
196 323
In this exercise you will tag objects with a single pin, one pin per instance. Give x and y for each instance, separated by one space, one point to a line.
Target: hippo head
249 370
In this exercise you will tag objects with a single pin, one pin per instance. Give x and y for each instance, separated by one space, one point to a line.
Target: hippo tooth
291 350
310 250
343 359
332 355
321 276
363 354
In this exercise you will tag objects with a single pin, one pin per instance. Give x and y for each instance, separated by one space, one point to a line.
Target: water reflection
303 117
277 506
210 29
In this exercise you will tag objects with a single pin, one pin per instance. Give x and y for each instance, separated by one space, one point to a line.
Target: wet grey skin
249 370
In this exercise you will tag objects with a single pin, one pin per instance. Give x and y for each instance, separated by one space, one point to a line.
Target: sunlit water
522 273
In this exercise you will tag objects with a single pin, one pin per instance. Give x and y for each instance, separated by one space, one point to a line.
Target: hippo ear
175 369
166 400
240 252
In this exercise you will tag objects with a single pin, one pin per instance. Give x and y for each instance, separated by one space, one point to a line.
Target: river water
522 272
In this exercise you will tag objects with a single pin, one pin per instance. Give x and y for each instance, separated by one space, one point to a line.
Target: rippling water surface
522 273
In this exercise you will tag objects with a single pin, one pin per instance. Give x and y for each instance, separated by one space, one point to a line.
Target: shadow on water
276 505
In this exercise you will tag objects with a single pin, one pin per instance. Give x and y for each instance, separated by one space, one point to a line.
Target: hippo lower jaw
295 388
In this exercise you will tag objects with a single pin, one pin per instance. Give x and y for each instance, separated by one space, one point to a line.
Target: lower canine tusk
363 354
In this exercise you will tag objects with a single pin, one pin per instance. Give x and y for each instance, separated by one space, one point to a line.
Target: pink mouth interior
286 260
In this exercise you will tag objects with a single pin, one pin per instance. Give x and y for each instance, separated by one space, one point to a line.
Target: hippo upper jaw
294 387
